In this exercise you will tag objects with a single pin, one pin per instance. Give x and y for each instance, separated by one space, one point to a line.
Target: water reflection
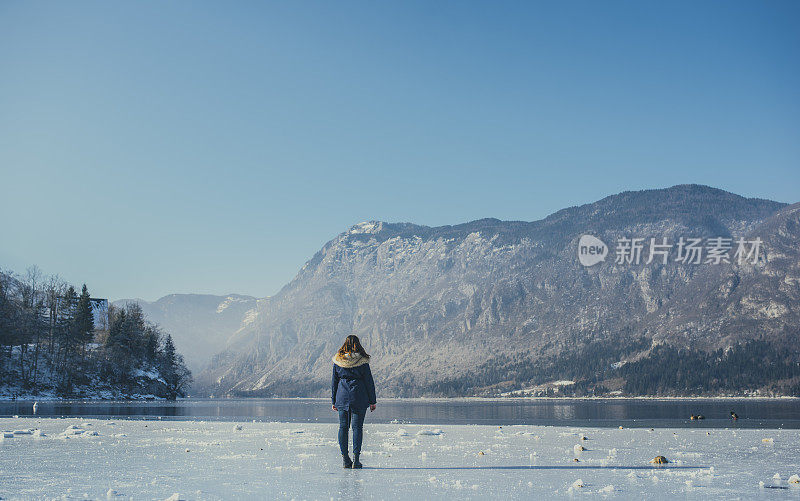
564 411
783 413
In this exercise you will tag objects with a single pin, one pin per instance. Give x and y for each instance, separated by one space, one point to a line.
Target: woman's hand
371 407
334 407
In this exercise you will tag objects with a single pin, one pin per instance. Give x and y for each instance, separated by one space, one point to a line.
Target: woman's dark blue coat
352 386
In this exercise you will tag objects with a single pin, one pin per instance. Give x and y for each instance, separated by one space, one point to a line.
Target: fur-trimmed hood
350 360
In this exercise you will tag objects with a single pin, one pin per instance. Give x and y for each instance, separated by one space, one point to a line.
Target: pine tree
84 321
168 358
152 338
120 358
173 370
84 317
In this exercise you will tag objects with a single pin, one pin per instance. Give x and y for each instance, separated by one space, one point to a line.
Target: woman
352 391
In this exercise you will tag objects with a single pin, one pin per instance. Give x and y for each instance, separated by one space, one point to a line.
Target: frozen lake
641 413
111 459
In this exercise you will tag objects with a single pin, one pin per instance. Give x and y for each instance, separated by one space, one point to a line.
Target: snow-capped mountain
481 306
200 324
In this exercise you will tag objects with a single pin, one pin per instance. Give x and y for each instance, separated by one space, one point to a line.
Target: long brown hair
352 345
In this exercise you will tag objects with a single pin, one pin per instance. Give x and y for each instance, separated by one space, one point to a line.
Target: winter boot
346 461
356 462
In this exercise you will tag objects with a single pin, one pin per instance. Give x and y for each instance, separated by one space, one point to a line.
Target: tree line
49 344
752 367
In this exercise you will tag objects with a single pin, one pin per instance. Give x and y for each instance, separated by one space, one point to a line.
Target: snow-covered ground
102 459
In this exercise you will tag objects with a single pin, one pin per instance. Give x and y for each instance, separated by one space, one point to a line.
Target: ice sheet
101 459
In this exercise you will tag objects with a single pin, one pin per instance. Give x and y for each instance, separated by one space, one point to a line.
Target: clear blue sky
156 147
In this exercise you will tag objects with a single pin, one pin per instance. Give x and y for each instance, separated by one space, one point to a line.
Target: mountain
200 324
490 305
732 303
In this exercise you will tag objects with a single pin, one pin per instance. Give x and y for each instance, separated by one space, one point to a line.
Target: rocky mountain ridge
476 306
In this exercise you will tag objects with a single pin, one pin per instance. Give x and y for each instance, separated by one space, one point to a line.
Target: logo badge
591 250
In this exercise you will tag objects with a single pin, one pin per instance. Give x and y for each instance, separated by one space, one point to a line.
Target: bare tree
32 305
7 318
51 289
54 289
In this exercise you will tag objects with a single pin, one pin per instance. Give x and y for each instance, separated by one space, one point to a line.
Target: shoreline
32 399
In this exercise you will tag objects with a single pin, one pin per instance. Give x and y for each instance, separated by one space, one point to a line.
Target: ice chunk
72 430
434 432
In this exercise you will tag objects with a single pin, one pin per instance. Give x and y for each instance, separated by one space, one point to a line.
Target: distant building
99 310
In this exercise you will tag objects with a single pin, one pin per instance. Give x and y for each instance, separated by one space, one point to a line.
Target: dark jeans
347 419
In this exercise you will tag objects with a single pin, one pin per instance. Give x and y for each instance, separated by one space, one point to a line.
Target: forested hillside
51 347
